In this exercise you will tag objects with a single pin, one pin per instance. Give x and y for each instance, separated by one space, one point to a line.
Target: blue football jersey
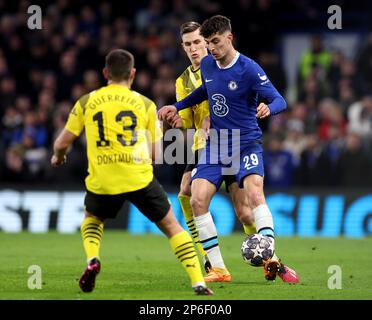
233 95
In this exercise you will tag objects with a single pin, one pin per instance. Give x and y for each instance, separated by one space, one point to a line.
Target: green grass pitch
142 267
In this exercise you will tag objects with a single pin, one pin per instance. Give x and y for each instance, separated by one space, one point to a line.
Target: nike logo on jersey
208 80
248 167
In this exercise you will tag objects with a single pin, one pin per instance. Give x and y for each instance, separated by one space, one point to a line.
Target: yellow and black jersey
191 117
119 126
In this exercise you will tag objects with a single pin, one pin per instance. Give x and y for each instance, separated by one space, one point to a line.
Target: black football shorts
152 201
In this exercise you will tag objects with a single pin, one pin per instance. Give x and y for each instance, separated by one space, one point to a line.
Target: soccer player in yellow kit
121 128
196 49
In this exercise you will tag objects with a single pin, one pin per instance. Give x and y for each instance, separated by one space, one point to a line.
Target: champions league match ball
257 248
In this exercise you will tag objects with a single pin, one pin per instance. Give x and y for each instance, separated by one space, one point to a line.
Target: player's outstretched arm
195 97
63 141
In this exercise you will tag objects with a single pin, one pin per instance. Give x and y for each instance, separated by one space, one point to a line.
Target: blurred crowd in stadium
324 138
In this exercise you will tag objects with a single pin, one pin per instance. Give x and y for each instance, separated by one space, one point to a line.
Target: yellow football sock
187 213
91 231
249 229
184 250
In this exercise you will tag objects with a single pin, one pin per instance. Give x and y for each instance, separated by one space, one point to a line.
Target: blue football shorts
248 161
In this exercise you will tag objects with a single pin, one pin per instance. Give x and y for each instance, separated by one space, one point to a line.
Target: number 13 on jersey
103 141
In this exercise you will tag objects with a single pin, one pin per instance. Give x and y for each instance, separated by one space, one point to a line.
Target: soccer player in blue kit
232 83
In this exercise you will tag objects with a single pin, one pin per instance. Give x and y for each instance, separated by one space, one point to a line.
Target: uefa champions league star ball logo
220 108
232 85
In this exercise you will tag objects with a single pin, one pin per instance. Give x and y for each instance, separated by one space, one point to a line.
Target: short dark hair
188 27
216 24
119 63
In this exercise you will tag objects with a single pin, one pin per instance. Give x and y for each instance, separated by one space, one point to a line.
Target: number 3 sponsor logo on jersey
220 108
